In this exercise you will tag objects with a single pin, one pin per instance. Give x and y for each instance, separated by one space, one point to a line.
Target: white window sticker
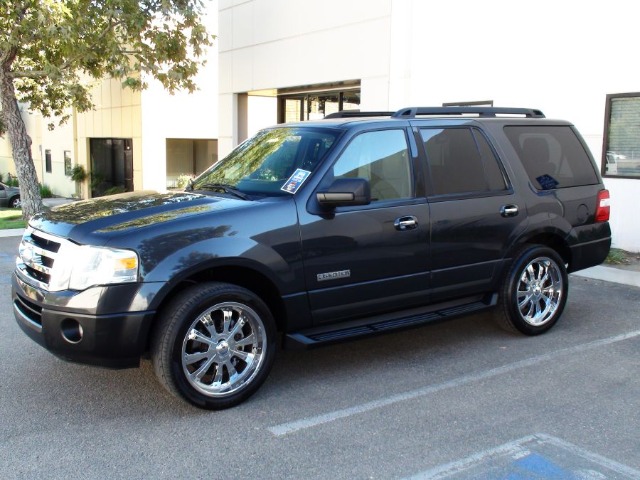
295 181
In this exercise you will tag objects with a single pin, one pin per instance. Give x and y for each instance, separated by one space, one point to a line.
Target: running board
372 326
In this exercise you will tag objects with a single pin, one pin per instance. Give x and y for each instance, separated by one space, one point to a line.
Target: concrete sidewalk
611 274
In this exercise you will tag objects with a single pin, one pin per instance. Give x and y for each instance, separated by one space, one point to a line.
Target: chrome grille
37 256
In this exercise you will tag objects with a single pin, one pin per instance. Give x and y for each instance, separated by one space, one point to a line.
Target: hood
87 221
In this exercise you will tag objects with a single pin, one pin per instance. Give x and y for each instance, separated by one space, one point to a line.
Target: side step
385 323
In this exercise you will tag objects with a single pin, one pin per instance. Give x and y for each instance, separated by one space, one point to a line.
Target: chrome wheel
540 291
534 291
214 344
223 349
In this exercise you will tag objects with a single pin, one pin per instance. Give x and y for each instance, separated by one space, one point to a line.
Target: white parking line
523 447
309 422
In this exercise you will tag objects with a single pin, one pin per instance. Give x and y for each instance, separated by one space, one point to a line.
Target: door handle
406 223
509 210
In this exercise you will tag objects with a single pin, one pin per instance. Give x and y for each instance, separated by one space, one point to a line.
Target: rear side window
461 161
553 157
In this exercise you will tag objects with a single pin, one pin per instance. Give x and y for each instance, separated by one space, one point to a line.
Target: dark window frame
475 103
68 170
47 161
605 136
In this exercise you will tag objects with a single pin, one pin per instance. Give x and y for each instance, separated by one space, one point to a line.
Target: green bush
12 180
45 191
183 181
78 174
114 190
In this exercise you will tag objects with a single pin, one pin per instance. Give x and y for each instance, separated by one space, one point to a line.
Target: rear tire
15 202
534 292
214 345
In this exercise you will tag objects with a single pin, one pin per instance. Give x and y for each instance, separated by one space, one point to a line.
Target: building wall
560 57
182 115
32 123
6 157
116 115
267 44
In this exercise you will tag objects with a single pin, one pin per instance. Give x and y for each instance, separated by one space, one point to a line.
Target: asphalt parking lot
456 400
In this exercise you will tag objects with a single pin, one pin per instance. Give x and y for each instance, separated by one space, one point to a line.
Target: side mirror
345 192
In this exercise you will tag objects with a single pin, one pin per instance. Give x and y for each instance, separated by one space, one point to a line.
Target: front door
371 259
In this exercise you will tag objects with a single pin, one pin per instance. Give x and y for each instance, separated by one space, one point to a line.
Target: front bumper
114 340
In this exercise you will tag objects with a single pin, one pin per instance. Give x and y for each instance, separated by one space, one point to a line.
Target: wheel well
243 277
554 242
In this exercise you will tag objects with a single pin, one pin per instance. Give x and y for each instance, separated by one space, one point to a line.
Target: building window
47 160
621 146
67 163
318 101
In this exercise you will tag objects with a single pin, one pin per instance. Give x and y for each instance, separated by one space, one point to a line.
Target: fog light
71 330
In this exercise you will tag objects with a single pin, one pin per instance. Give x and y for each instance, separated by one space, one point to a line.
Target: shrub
183 181
12 180
78 174
114 190
45 191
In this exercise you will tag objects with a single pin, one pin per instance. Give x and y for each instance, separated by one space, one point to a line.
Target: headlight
86 266
101 266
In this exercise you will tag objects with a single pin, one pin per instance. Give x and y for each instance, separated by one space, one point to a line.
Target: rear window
553 157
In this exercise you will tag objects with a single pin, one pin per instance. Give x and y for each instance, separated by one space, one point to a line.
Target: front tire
15 202
534 292
214 345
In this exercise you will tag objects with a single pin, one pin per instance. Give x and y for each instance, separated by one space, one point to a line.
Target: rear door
475 213
374 258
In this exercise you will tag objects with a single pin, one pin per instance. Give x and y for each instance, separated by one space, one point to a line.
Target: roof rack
412 112
357 113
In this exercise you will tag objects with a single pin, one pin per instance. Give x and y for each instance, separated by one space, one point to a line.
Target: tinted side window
382 158
461 161
553 157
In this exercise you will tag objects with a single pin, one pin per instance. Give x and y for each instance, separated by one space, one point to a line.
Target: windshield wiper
225 188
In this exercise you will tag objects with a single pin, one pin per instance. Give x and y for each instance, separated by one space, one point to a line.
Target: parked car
9 196
323 231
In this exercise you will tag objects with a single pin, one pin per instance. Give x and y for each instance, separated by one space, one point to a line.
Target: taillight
603 210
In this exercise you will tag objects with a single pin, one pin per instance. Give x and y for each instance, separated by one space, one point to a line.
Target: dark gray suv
324 231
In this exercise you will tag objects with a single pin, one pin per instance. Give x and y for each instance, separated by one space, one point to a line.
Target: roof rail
357 113
412 112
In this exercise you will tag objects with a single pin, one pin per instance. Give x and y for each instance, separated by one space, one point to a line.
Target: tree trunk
20 147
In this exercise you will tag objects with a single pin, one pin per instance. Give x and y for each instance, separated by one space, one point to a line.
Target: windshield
273 162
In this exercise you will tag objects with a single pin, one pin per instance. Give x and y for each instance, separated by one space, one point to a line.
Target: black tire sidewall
184 314
509 293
